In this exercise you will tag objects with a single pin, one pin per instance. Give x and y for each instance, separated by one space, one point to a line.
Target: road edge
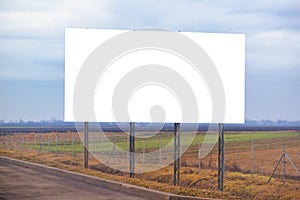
109 184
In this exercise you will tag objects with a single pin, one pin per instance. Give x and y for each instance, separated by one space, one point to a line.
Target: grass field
64 150
121 139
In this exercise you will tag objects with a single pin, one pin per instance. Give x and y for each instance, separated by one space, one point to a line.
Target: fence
258 153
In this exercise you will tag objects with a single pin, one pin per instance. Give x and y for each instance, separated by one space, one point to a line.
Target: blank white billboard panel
154 76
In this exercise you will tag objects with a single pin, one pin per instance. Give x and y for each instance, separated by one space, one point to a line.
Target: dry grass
238 180
237 185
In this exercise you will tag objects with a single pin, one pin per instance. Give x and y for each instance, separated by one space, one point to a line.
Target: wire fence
255 155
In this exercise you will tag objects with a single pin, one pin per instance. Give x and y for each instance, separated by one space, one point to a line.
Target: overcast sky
32 47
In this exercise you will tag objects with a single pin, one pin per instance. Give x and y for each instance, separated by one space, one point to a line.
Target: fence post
72 146
56 144
22 143
64 139
143 158
12 141
43 141
34 140
18 143
102 146
6 141
49 140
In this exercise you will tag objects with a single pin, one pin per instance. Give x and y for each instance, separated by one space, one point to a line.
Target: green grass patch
152 143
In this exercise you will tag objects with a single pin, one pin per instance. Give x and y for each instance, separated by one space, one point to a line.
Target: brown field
238 183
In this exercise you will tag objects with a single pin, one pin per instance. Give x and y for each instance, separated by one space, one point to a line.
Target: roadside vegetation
65 151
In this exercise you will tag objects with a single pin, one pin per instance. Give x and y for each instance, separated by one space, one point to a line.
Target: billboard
154 76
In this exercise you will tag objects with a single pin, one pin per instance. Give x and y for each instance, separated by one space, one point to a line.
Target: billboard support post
221 157
86 145
132 148
202 81
176 153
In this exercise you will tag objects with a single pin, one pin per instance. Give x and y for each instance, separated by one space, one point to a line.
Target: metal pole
12 141
64 139
284 164
143 158
23 145
199 156
175 158
19 142
28 143
102 146
6 143
49 143
42 141
160 146
176 154
221 157
86 145
293 164
72 146
275 168
34 137
252 166
56 144
179 153
131 148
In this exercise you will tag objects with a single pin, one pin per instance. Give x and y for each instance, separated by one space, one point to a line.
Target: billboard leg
86 145
221 157
131 148
176 153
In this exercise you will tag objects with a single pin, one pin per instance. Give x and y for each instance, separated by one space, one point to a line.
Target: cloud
31 59
273 50
212 15
33 31
32 35
47 19
32 44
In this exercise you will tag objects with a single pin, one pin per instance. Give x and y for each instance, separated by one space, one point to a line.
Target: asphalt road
22 183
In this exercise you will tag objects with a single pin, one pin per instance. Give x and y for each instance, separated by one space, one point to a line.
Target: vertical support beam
252 159
72 140
160 149
199 156
86 145
131 148
56 138
284 165
221 157
176 154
